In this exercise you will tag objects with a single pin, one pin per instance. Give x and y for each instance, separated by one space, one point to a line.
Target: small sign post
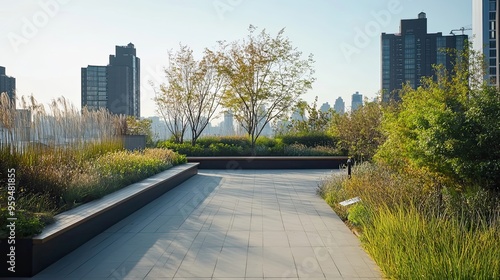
350 201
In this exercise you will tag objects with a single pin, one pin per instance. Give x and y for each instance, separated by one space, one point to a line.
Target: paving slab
226 224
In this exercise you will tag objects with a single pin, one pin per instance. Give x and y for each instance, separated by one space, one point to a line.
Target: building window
493 5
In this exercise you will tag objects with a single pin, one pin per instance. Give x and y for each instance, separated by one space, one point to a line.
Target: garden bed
291 162
76 226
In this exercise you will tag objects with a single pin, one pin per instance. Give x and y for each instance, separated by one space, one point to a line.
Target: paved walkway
249 224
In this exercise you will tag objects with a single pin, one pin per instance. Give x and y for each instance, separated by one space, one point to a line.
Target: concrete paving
226 224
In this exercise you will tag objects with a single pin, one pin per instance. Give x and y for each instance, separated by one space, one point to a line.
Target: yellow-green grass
408 245
419 226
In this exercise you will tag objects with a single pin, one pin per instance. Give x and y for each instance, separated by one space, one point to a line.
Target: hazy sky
44 43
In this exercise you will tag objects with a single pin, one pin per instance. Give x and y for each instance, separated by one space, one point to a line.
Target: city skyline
46 43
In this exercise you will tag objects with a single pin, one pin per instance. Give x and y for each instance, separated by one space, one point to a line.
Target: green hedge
288 145
309 139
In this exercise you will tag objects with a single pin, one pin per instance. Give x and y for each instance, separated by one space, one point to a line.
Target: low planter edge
32 255
269 162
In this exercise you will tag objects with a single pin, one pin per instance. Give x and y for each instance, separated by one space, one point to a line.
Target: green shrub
240 141
221 149
303 150
240 146
312 139
359 214
184 148
26 225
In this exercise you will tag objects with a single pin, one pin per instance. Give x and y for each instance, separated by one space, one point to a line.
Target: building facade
8 85
95 87
325 107
357 101
411 54
116 86
339 106
485 28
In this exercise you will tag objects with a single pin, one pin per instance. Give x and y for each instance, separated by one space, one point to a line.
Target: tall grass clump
64 157
417 225
410 245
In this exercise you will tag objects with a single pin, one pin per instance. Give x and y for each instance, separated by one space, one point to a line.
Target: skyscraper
485 28
357 101
95 87
115 86
339 106
325 107
8 85
409 55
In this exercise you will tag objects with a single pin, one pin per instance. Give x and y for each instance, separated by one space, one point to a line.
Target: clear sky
44 43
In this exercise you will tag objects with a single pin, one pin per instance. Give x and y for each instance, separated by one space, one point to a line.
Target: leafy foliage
447 126
312 120
312 139
140 127
27 223
359 132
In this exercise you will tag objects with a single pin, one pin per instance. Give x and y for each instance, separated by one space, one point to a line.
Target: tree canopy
450 125
192 94
264 77
359 132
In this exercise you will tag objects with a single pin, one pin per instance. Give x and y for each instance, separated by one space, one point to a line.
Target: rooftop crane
460 29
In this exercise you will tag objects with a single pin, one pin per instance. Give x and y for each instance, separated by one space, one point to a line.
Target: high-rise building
339 106
357 101
8 85
116 86
325 107
227 126
409 55
95 87
485 29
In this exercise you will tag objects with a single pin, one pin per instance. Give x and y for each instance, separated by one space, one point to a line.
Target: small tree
360 131
264 77
194 89
312 119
